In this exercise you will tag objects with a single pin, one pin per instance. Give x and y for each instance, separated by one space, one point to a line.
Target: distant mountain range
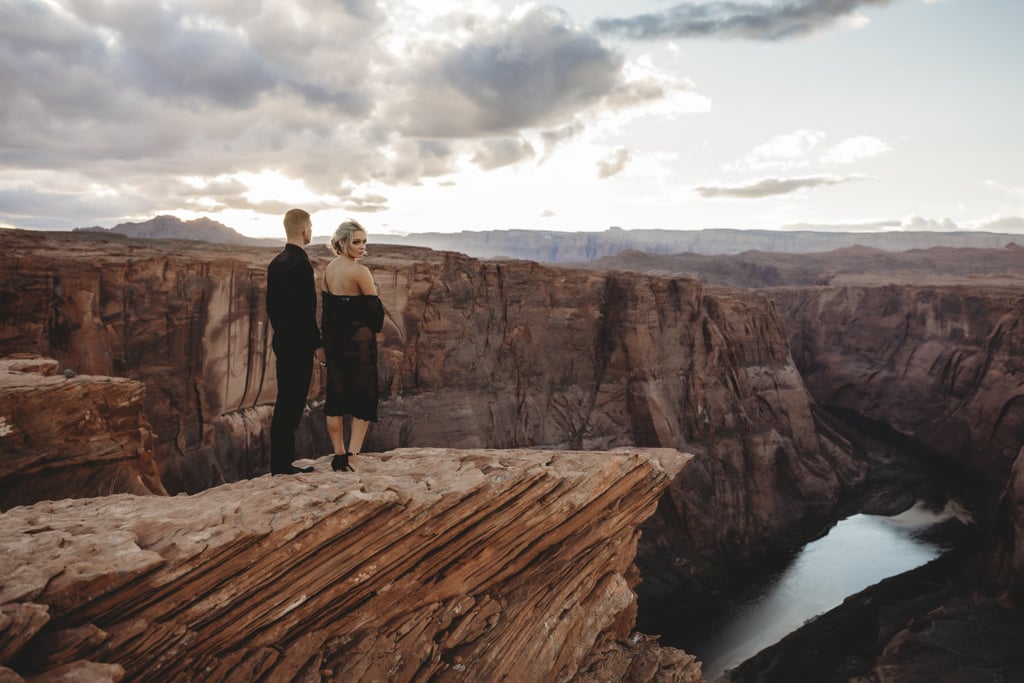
579 247
173 228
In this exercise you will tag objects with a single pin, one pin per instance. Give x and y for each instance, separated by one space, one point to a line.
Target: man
291 306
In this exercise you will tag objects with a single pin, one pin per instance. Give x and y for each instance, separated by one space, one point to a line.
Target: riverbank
928 624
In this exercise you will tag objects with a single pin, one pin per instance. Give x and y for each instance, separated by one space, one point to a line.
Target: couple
352 315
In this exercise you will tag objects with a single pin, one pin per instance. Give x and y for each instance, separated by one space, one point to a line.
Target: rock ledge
425 564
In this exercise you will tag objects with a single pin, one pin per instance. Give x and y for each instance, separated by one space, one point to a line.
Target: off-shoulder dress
350 325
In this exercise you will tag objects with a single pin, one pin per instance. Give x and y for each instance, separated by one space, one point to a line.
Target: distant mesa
582 247
549 246
173 228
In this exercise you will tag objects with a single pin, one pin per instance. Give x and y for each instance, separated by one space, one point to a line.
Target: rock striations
424 565
496 354
941 364
71 436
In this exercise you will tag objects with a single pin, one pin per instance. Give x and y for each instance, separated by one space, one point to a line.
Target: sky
449 115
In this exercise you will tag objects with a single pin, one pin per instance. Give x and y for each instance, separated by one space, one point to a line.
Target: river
857 552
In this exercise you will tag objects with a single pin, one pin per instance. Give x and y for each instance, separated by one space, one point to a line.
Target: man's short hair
295 221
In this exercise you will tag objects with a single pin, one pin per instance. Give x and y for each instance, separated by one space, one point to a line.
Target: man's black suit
291 306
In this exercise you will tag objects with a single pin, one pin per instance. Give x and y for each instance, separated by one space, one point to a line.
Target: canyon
509 355
923 350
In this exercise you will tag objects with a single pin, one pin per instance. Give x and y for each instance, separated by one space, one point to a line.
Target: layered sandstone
426 564
186 319
941 364
71 436
473 354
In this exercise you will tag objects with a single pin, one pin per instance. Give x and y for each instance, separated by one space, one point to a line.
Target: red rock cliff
425 565
71 436
942 364
473 354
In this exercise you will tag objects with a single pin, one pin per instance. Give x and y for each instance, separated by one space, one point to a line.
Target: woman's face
357 245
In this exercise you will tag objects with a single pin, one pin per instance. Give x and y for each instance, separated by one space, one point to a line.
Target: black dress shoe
292 469
340 463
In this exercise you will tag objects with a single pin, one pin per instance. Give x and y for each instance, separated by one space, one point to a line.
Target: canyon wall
185 319
473 354
425 565
939 363
71 436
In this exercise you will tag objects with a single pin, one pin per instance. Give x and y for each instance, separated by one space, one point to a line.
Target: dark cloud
31 208
125 99
614 163
366 204
538 71
770 187
775 21
553 138
495 153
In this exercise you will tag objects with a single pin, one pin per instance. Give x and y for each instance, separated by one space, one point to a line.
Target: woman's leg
359 428
336 431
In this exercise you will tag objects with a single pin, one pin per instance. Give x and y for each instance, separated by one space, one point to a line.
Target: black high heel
340 463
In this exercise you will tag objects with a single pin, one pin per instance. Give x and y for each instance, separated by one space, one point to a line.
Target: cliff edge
426 564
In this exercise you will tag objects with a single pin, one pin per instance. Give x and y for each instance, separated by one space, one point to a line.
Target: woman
352 315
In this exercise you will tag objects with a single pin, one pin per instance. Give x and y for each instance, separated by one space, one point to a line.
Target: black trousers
294 372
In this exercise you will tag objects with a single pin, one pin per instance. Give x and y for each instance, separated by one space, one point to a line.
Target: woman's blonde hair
343 235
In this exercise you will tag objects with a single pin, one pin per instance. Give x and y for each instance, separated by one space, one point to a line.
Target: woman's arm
364 280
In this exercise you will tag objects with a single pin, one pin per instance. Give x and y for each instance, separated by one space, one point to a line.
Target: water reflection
858 552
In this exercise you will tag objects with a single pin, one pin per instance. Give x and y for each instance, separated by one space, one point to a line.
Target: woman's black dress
349 325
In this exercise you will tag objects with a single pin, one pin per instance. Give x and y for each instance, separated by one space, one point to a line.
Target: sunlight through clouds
119 110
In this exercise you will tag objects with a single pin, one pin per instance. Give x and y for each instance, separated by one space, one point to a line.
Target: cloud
132 98
1009 224
497 152
729 19
769 187
873 226
534 72
922 223
855 149
553 138
799 148
614 163
783 151
33 208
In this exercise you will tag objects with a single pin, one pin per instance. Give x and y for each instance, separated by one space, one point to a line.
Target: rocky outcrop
939 364
71 436
1006 559
473 354
424 565
186 319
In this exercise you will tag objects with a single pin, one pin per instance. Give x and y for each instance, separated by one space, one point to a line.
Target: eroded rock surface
1006 559
473 354
940 364
185 318
72 436
425 564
